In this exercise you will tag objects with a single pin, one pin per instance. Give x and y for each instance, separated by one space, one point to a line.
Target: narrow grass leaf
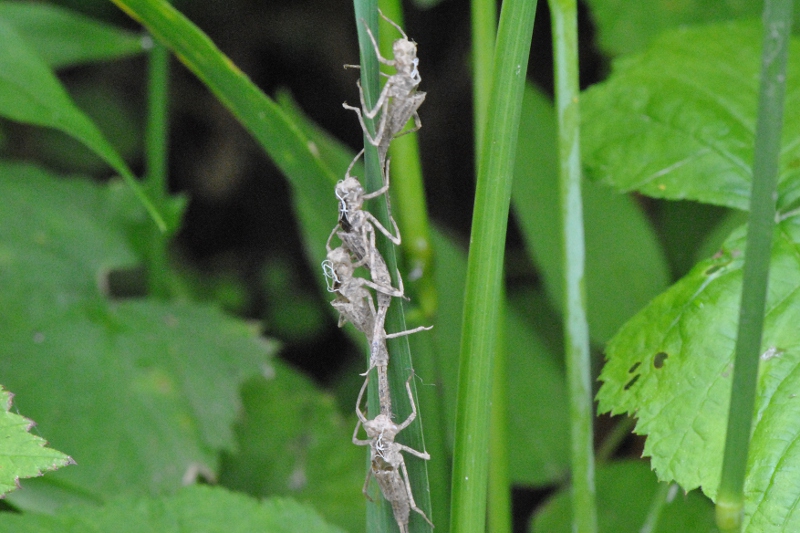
64 38
285 143
30 93
484 270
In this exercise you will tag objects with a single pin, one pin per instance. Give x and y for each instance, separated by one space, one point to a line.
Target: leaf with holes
671 364
678 121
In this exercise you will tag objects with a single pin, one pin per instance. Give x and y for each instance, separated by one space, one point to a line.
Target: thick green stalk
409 204
156 138
483 293
499 496
656 507
380 517
410 208
564 18
777 25
484 24
156 134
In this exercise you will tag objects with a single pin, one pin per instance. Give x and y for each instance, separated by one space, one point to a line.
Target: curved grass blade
30 93
65 38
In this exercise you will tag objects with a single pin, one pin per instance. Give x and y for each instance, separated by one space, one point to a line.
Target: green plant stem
380 517
777 25
156 138
409 198
156 133
564 18
656 506
499 496
484 24
483 293
621 430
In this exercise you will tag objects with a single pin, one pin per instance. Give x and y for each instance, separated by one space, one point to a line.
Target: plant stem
157 123
484 24
380 517
156 139
564 18
499 495
409 198
657 505
730 500
483 292
621 430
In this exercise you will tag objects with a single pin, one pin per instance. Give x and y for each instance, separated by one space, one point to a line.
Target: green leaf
670 366
292 441
197 509
22 454
537 398
626 490
628 27
615 289
141 393
30 93
64 38
678 121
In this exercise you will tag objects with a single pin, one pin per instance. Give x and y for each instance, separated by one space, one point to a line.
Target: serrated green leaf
142 393
678 121
627 27
670 366
198 509
292 441
615 289
30 93
65 38
22 454
626 490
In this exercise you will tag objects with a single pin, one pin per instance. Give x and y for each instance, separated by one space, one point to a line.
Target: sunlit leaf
671 367
678 121
21 453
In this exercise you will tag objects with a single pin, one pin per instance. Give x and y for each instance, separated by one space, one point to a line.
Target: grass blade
483 294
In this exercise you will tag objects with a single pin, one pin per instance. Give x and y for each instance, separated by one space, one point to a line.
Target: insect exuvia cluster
356 229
